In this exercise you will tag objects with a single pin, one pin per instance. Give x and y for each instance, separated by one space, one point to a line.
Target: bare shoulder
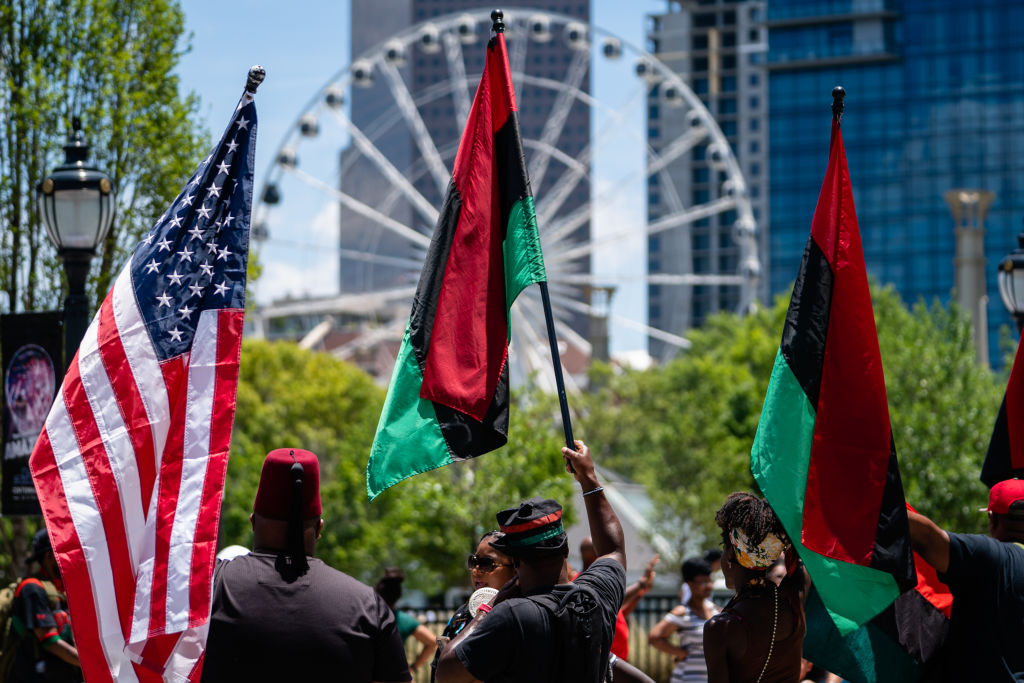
724 625
678 610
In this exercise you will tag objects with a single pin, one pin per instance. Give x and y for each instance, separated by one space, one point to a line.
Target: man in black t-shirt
39 619
521 639
280 614
986 577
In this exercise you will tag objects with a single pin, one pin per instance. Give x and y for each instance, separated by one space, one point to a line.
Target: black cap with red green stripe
532 528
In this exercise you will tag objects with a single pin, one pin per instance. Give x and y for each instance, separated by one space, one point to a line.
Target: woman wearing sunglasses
488 568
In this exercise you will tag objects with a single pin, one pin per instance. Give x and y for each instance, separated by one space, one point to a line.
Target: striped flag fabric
131 462
1005 456
823 454
902 644
448 399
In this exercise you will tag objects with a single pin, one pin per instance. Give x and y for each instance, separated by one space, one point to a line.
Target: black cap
40 546
532 528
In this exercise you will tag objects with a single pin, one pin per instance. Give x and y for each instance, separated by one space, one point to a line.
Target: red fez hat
274 496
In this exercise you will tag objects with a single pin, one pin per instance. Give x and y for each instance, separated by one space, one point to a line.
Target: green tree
685 429
111 63
426 524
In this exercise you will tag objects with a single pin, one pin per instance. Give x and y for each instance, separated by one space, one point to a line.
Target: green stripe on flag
524 262
779 461
410 421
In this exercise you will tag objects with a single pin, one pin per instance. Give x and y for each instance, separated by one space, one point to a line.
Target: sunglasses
484 564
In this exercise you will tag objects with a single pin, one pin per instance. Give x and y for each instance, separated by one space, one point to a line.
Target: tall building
716 47
935 101
424 70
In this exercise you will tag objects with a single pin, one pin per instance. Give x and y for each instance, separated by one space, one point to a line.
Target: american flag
130 465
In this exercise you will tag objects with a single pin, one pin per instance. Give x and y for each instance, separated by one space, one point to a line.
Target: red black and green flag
824 455
900 645
1005 457
449 396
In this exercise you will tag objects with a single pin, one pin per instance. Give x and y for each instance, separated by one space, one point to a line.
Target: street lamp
76 202
1011 282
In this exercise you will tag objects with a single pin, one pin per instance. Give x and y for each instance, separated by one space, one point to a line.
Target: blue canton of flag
195 256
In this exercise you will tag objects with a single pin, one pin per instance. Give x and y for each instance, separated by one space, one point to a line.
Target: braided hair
751 514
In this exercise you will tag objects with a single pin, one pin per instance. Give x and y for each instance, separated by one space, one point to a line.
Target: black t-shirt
31 609
514 642
269 625
986 628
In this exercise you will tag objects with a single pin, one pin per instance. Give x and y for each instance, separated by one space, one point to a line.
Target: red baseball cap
274 495
1003 495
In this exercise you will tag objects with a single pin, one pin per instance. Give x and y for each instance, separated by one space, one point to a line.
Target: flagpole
838 93
498 26
556 362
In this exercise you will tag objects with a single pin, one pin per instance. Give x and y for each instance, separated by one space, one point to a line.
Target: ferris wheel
348 206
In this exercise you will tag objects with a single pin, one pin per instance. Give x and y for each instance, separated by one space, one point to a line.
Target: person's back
279 613
527 633
986 577
522 639
765 658
269 625
985 574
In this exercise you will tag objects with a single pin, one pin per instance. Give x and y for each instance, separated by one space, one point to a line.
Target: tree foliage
685 429
426 524
109 62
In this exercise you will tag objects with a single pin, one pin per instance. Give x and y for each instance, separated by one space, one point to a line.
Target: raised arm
605 529
929 540
640 588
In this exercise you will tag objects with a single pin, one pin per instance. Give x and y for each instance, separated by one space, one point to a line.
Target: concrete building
717 48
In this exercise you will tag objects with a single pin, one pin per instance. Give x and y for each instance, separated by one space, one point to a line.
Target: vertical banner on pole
30 349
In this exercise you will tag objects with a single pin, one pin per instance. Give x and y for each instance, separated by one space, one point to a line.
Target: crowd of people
279 613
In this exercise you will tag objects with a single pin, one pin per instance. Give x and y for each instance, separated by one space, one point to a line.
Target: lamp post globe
76 202
1011 282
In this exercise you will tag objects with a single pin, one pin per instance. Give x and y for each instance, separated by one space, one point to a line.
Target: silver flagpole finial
256 75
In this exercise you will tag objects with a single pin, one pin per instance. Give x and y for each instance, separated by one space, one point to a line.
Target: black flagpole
497 16
556 361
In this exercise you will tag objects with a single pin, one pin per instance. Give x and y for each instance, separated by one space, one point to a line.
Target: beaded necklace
761 582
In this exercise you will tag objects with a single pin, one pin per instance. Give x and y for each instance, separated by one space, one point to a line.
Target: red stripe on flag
1015 410
469 337
104 491
71 559
852 434
503 96
175 378
229 349
154 655
129 401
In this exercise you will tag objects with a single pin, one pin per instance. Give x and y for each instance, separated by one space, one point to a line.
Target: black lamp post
1011 282
76 202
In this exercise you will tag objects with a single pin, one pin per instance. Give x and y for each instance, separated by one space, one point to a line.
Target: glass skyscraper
935 101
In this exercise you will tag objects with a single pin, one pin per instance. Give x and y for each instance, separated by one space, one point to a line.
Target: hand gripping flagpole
498 17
